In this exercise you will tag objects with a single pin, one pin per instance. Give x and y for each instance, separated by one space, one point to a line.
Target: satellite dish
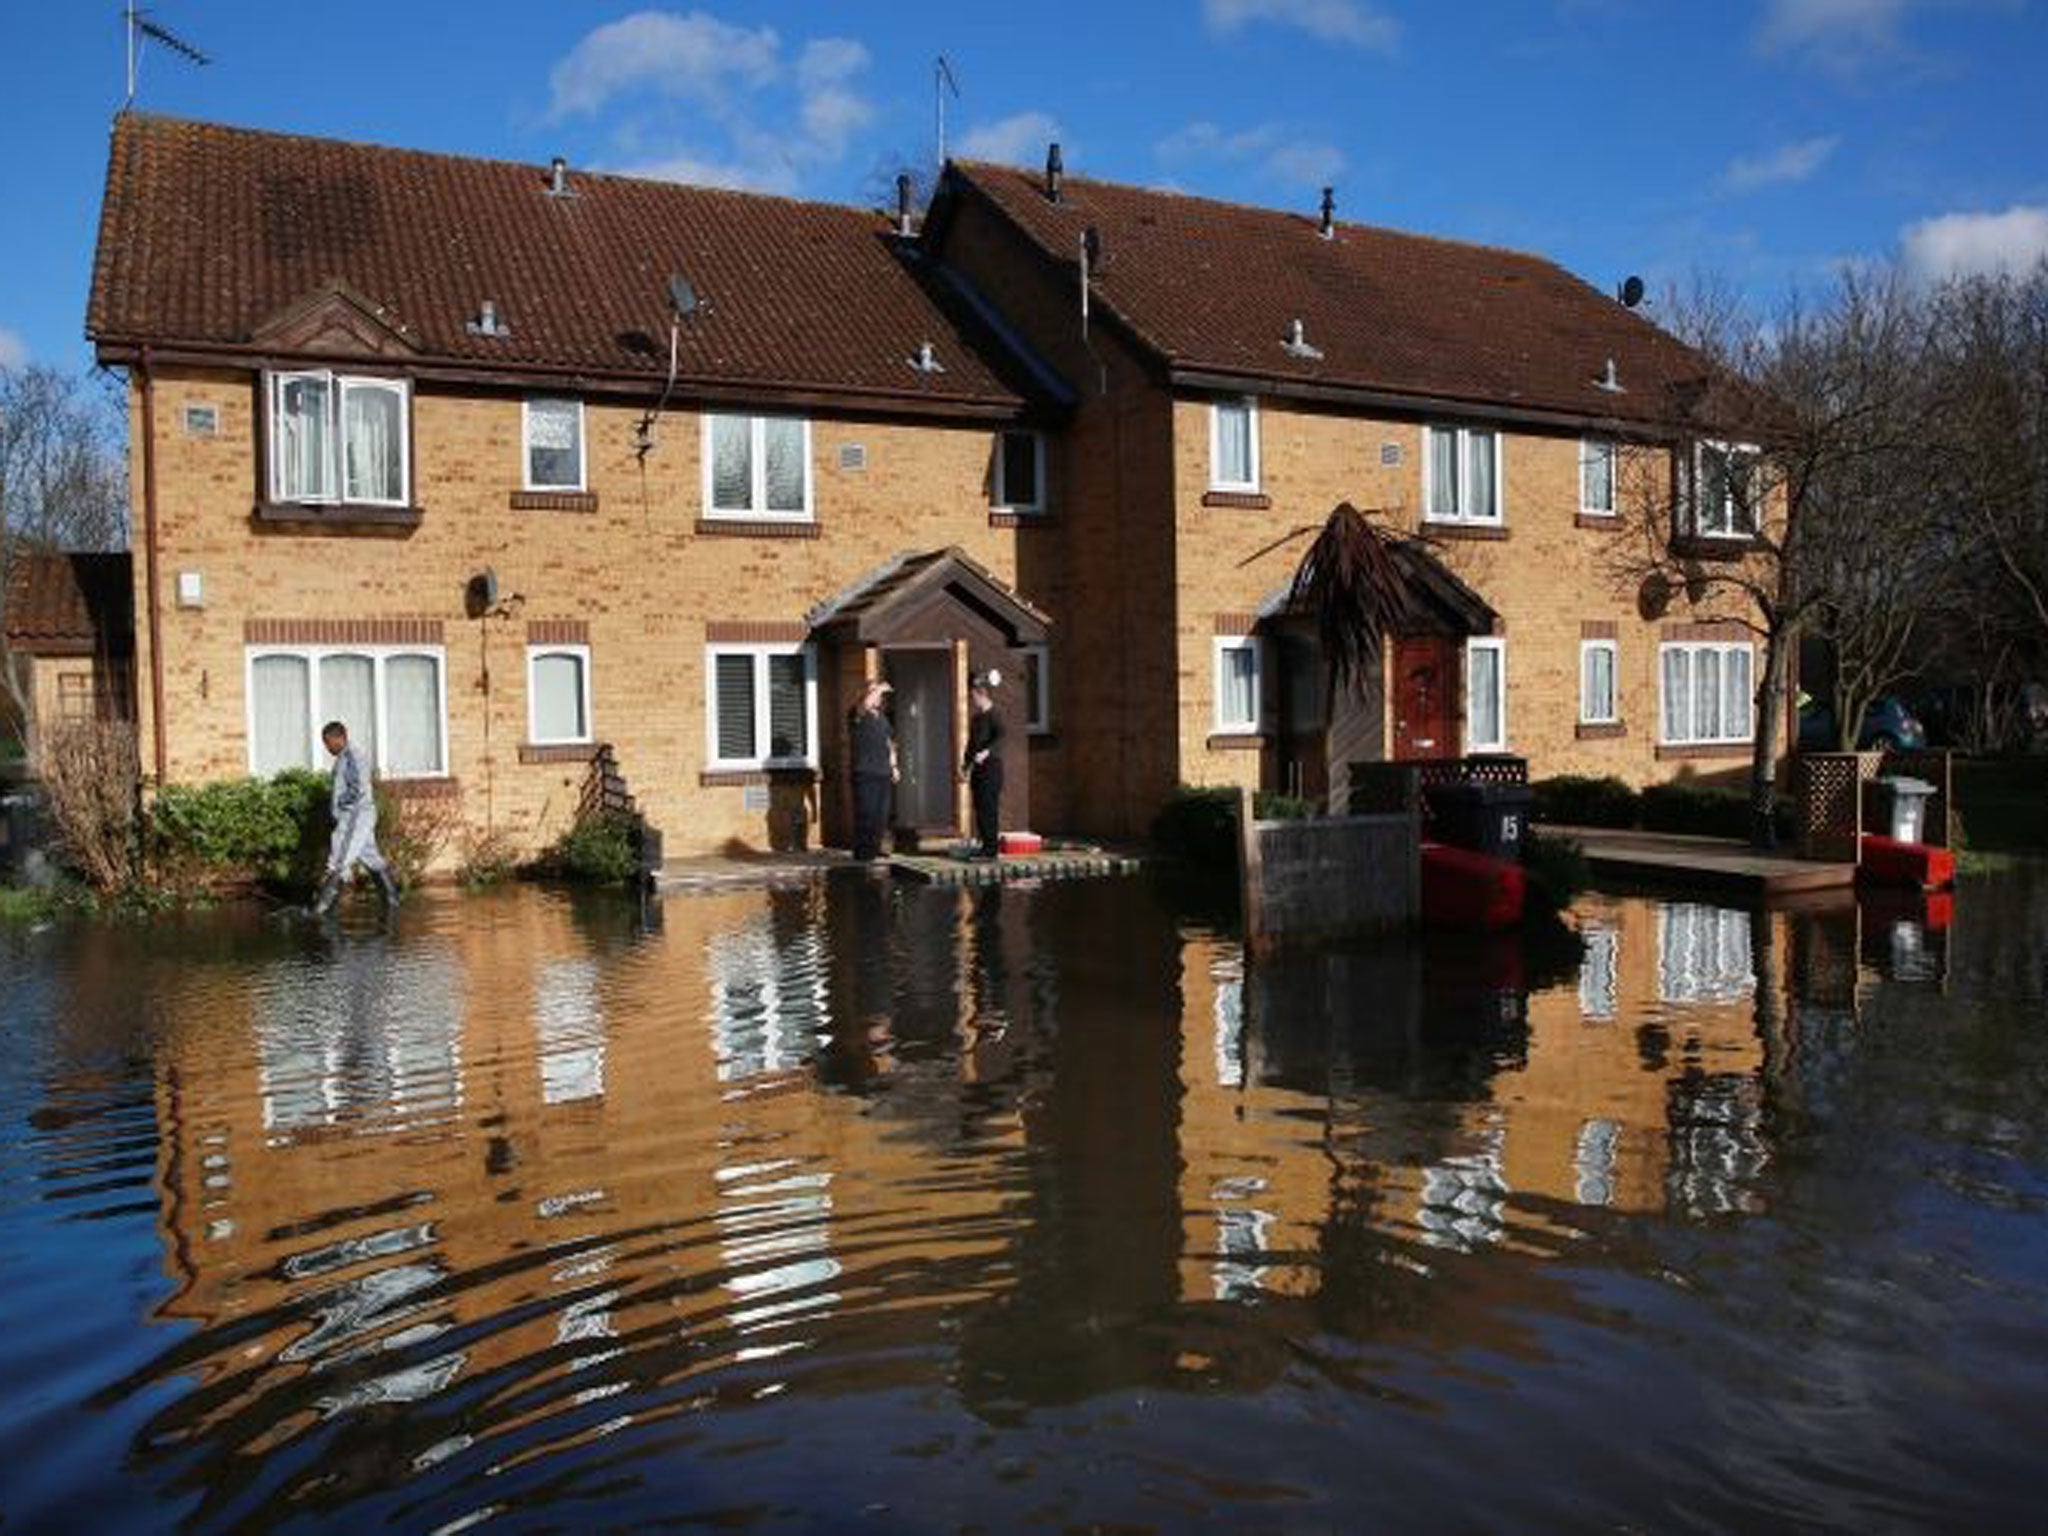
1631 291
682 298
480 596
1653 598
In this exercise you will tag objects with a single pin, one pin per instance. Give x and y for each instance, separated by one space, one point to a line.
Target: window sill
438 786
1705 749
758 528
1601 730
554 501
1448 528
339 514
557 751
1002 517
1608 522
1708 546
1236 741
740 778
1041 736
1247 501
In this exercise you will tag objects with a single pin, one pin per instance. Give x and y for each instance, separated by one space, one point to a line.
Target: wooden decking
1053 864
1709 863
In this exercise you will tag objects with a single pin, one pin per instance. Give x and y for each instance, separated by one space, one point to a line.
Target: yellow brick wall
636 570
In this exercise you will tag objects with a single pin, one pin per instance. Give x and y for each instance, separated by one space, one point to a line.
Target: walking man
355 822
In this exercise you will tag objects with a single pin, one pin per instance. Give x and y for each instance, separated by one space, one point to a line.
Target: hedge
1576 800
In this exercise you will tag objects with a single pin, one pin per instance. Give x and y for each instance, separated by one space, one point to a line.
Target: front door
922 707
1425 697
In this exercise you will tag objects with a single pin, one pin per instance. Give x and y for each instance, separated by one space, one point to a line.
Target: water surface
892 1209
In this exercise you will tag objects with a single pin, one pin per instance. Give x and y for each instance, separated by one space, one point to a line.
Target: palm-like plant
1357 592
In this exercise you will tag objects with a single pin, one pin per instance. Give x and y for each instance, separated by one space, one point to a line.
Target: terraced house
503 464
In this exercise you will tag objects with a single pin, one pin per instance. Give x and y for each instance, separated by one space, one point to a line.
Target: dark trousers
870 813
985 783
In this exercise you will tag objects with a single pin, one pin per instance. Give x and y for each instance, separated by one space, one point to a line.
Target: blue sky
1765 141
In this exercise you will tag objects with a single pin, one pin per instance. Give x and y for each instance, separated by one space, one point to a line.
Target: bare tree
63 484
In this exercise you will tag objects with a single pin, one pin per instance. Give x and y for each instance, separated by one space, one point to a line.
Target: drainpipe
149 567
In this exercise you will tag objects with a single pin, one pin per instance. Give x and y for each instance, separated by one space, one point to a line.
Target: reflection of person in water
873 749
983 762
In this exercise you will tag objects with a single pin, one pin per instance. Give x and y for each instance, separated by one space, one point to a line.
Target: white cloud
1019 139
1336 21
1787 163
13 350
699 99
1841 35
1976 244
1293 162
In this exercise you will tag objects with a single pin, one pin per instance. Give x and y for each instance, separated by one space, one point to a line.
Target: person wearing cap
873 747
983 761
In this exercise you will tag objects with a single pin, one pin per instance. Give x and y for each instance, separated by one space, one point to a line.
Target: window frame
1462 515
1002 500
760 651
1613 649
757 448
339 385
1695 458
1224 726
526 480
1499 646
534 654
1038 722
379 656
1252 456
1691 648
1612 449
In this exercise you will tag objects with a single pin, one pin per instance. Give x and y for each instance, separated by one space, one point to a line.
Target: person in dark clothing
983 763
874 769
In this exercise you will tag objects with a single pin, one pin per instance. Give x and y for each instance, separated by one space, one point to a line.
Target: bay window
1237 685
557 695
757 467
334 438
1461 475
393 701
553 432
761 706
1234 444
1707 692
1486 695
1598 704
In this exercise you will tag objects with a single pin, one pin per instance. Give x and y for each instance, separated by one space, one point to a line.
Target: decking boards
1669 858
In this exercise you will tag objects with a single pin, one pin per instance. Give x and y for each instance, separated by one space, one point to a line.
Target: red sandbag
1017 844
1461 889
1887 861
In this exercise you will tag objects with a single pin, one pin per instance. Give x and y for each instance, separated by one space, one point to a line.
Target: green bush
1576 800
268 830
1267 806
1556 869
602 850
1707 810
1198 827
487 859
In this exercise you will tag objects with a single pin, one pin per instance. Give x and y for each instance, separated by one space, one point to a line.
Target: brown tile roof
70 604
1211 287
209 232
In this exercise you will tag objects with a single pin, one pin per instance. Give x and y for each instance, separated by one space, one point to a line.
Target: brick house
500 463
70 630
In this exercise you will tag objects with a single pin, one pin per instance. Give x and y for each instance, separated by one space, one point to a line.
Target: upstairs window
1718 488
757 467
339 439
1461 474
554 445
1020 472
1596 476
761 706
1234 444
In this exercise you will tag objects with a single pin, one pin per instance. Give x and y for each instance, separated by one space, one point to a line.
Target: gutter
149 566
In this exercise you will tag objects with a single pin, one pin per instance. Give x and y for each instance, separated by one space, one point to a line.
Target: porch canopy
900 600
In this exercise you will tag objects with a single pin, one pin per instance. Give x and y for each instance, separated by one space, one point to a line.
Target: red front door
1425 697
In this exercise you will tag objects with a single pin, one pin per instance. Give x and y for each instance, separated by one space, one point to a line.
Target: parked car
1887 722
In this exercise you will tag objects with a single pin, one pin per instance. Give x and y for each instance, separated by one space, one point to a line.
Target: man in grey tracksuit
355 821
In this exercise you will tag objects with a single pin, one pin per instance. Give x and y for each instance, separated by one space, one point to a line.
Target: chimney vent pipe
903 204
1328 228
558 177
1054 169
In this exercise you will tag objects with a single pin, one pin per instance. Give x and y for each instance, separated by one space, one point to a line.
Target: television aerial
140 29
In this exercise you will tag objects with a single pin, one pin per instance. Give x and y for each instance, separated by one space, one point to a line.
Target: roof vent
558 178
1296 344
1055 168
1328 227
1609 380
926 359
487 322
903 205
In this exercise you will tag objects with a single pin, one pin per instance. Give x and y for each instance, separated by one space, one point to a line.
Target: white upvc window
1718 490
1020 472
760 706
1486 694
552 431
1707 689
334 438
1234 444
757 467
1599 692
557 695
1597 463
1037 688
1461 475
1238 672
393 699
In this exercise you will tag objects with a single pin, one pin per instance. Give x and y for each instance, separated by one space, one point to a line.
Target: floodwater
895 1210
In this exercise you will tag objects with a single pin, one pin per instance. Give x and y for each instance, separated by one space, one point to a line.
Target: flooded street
903 1209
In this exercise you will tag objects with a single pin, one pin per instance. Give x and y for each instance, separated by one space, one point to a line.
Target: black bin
1486 818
